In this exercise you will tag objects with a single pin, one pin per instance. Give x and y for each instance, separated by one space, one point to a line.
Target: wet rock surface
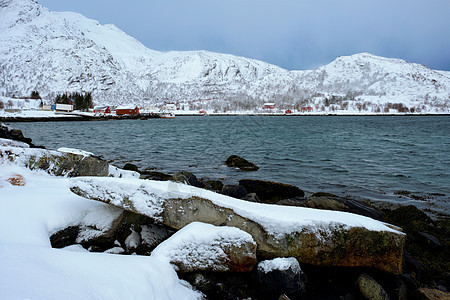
332 202
241 163
271 192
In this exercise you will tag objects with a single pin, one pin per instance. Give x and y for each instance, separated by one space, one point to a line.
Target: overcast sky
293 34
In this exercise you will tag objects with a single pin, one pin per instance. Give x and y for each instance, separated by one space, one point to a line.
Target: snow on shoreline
31 269
49 115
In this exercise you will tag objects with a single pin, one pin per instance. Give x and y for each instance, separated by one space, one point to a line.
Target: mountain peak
16 12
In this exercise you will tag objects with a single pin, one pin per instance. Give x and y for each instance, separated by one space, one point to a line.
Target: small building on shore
64 107
269 105
102 110
127 110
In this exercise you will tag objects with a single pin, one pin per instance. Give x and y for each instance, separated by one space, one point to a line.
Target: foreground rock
370 289
241 163
64 162
282 276
113 230
204 247
316 237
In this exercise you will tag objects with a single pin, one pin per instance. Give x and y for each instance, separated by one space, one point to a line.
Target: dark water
369 156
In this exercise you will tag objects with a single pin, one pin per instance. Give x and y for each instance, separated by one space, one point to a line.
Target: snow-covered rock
204 247
282 276
312 236
11 143
55 52
280 263
66 162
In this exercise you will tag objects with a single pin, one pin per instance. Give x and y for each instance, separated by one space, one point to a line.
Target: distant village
166 109
70 106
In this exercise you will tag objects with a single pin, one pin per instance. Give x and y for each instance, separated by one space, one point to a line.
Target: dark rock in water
322 194
130 167
215 185
281 276
331 202
65 237
188 178
153 175
370 289
235 191
16 135
271 192
241 163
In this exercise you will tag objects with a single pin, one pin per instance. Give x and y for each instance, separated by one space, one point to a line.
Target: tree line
79 101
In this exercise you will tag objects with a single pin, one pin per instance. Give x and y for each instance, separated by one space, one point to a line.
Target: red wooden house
102 110
127 110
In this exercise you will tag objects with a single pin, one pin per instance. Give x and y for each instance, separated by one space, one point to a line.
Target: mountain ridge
55 52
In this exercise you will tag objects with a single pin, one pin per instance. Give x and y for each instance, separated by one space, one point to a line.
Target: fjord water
369 157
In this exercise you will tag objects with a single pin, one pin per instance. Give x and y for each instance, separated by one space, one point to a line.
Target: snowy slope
374 75
55 52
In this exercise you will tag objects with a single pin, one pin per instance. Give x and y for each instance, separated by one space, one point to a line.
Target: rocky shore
349 250
79 117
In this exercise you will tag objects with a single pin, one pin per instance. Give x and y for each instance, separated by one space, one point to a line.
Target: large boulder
241 163
312 236
204 247
271 192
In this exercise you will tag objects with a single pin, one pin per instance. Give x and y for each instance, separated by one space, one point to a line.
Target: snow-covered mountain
54 52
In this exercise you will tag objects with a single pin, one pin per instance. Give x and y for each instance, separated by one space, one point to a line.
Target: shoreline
145 116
